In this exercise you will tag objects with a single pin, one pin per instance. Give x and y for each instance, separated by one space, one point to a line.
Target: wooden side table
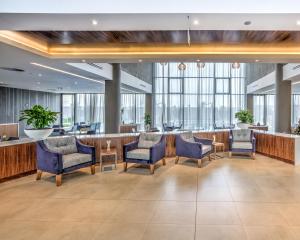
104 153
215 146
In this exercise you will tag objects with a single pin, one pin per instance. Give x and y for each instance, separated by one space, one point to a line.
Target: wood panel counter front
19 157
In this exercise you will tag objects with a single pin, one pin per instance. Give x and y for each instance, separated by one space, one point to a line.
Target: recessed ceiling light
83 60
256 60
298 22
94 22
140 60
198 60
75 83
196 22
247 23
40 74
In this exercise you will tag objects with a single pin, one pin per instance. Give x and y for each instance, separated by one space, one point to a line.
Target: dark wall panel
13 100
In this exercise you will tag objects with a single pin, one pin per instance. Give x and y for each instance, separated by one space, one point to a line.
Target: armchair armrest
48 160
204 141
158 150
83 148
184 148
128 147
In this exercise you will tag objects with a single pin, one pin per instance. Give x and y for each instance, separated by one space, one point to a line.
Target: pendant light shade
235 65
200 64
182 66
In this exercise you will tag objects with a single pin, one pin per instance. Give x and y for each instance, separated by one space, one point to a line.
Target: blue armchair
62 155
191 147
242 141
148 149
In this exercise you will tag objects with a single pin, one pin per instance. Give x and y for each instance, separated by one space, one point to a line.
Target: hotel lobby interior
121 120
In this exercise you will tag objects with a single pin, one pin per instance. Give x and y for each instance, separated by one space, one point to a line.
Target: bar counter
18 157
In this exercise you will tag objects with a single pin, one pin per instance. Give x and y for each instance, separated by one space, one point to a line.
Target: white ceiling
153 6
133 22
41 79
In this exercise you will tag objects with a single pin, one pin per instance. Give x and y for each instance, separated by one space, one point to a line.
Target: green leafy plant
297 129
147 119
244 116
38 117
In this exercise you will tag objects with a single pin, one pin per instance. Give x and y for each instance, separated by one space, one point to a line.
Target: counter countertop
116 135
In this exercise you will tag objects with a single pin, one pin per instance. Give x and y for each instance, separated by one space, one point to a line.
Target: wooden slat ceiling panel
152 37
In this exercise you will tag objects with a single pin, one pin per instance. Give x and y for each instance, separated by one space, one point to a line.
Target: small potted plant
245 119
38 120
147 121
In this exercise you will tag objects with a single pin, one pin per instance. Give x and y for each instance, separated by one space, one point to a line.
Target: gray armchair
59 155
191 147
242 141
148 149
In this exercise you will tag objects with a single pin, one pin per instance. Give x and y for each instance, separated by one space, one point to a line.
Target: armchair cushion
148 140
62 145
242 135
139 153
73 159
206 148
242 145
187 136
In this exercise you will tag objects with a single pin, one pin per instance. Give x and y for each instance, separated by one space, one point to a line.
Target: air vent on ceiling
12 69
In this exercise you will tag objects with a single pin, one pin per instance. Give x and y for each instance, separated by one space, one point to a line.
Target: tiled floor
228 199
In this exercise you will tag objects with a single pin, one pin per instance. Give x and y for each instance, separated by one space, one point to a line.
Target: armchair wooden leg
151 168
199 163
125 166
230 154
93 170
164 161
176 159
253 155
39 175
209 158
58 180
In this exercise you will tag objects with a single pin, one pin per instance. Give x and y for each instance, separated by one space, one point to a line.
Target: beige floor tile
117 231
217 214
71 231
220 233
269 233
172 212
90 211
260 214
214 194
180 194
133 211
291 213
146 193
249 194
17 230
169 232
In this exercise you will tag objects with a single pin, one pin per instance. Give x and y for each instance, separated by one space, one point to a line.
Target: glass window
295 109
222 110
270 108
258 109
222 85
67 110
201 96
90 109
133 109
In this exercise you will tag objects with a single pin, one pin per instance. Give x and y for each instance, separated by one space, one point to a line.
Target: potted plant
147 121
38 119
297 129
245 119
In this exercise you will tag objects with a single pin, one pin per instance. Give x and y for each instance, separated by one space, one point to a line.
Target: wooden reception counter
18 157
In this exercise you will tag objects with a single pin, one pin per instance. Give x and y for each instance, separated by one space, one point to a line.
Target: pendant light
181 67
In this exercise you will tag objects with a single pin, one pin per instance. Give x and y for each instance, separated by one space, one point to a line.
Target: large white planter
38 134
243 125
